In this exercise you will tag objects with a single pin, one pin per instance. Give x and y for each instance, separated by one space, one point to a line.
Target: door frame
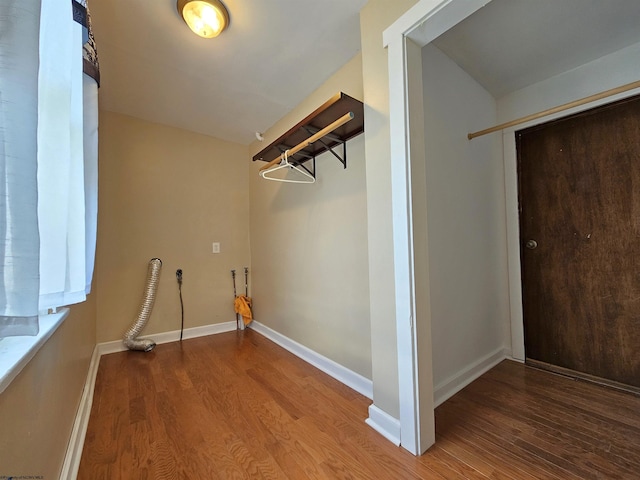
404 39
510 157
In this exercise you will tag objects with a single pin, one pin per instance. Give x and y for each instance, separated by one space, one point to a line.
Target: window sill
17 352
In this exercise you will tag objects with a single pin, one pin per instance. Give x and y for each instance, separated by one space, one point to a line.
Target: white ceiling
274 54
510 44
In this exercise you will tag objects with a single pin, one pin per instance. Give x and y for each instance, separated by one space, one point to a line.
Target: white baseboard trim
76 442
384 424
351 379
168 337
448 388
81 422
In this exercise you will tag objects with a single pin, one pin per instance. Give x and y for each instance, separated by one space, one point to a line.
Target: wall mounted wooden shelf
334 108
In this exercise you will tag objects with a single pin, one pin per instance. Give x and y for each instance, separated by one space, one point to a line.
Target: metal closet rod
313 138
560 108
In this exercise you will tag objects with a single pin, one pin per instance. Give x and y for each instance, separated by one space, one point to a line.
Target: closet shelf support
305 156
329 126
328 136
342 159
311 140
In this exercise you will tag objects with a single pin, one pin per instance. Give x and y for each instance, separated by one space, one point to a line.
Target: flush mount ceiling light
207 18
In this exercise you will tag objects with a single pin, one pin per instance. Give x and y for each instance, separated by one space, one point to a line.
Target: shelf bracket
301 163
310 172
343 159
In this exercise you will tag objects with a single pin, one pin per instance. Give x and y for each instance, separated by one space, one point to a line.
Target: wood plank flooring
236 405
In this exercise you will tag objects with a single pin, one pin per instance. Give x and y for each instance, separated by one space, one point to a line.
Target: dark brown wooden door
579 194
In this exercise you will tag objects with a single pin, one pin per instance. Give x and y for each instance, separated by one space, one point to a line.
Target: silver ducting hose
130 341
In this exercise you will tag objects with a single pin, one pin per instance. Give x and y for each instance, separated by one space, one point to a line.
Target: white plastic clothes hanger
308 178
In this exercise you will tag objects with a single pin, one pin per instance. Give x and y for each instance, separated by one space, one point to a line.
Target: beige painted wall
309 244
168 193
375 17
38 409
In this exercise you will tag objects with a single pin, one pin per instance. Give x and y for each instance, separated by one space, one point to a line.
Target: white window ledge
16 352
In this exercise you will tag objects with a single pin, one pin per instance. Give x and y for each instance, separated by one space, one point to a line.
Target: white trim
79 431
384 424
173 336
513 245
452 385
428 19
411 19
17 352
403 259
351 379
422 23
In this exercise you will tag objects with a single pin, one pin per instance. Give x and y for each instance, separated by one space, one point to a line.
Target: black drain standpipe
179 278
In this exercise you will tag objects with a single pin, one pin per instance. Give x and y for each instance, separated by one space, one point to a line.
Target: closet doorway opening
486 42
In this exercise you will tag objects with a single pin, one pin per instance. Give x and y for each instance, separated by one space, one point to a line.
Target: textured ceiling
274 54
510 44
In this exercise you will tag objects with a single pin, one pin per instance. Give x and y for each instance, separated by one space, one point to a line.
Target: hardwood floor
236 405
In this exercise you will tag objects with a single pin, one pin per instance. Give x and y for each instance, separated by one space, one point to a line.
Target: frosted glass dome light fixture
206 18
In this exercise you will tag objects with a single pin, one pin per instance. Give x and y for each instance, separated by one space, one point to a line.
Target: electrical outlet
215 247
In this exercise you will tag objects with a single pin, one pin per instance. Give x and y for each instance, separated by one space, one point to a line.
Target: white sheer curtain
62 197
61 217
19 240
90 90
91 82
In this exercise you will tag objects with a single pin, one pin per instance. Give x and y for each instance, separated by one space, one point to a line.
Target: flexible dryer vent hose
130 341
